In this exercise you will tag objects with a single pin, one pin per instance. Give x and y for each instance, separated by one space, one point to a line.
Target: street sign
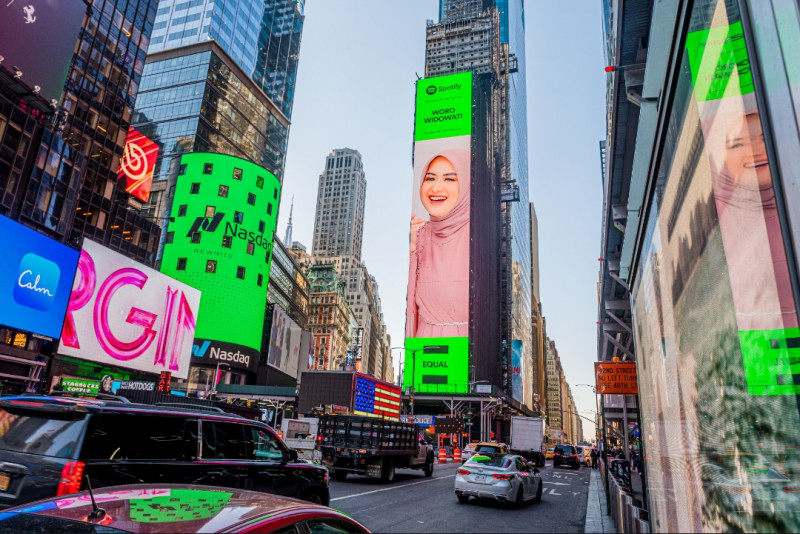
616 378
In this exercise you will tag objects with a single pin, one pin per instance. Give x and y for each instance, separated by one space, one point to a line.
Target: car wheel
539 492
462 498
520 499
429 467
314 497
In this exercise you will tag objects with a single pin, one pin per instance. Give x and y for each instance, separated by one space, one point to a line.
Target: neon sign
135 172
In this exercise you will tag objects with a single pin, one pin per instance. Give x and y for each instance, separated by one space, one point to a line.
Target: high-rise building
484 36
61 144
220 77
329 318
339 220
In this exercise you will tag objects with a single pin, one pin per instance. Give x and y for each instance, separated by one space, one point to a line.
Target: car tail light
791 489
280 434
503 477
71 476
462 472
319 437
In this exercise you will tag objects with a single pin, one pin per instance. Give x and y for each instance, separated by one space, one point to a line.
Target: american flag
376 399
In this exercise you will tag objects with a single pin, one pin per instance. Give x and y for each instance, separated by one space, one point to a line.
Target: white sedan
505 478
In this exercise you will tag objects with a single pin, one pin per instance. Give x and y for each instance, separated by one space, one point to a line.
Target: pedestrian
594 458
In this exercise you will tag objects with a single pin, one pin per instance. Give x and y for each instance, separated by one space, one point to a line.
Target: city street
413 503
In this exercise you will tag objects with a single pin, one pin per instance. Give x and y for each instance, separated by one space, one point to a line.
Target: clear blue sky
359 60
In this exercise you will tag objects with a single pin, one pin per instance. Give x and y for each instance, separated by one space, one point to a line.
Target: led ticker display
135 173
376 398
220 241
35 279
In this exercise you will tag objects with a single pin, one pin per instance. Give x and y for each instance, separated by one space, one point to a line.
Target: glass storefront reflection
714 318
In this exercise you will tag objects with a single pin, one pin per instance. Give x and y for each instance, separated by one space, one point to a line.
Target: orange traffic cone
457 455
442 456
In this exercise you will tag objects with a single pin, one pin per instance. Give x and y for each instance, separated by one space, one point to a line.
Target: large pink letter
78 299
113 346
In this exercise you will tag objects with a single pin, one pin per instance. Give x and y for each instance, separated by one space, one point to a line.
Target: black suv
48 444
567 455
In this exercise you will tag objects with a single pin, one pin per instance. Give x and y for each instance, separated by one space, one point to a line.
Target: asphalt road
413 503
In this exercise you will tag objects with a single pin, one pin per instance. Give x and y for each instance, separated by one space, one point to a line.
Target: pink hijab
438 276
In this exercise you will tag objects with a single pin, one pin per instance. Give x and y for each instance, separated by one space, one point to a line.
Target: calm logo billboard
36 276
125 314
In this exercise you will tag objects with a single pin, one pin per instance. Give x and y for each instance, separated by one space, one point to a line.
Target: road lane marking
393 487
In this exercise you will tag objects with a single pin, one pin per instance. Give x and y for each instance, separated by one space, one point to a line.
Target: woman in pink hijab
438 279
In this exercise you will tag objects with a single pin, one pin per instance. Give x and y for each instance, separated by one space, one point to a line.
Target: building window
226 241
211 266
237 174
223 191
260 280
238 217
251 199
210 211
195 190
182 210
240 272
182 170
275 193
251 247
195 237
170 237
208 168
269 209
261 226
181 264
260 182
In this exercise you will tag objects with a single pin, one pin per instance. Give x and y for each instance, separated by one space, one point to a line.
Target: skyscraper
339 220
219 77
478 35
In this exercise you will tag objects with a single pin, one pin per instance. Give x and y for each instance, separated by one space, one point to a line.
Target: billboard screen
438 301
125 314
516 370
220 241
36 274
376 398
38 38
135 173
284 343
437 365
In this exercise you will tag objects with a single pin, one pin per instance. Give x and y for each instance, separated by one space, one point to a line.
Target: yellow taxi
549 454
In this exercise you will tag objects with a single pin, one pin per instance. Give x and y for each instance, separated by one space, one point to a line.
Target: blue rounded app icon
37 282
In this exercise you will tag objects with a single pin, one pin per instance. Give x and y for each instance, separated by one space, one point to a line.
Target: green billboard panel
219 240
719 63
444 107
436 365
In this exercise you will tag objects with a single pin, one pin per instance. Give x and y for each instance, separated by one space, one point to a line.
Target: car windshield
488 448
566 449
502 462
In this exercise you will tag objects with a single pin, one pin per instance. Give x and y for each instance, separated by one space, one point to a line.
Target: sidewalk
596 518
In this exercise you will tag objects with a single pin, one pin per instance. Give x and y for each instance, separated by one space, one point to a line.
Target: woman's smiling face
439 189
746 153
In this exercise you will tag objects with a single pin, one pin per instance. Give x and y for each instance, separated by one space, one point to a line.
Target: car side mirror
291 455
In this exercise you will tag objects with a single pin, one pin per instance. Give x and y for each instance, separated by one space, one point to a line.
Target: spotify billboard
219 240
438 301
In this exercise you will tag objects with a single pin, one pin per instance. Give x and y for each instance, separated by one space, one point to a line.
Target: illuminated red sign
135 172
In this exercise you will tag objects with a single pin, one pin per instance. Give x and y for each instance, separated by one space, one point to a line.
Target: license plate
480 478
4 481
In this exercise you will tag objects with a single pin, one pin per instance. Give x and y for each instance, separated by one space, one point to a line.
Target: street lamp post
216 378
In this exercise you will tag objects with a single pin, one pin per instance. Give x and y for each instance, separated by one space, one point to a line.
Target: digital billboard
125 314
517 382
135 172
376 398
437 365
284 343
35 279
38 37
438 300
220 241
